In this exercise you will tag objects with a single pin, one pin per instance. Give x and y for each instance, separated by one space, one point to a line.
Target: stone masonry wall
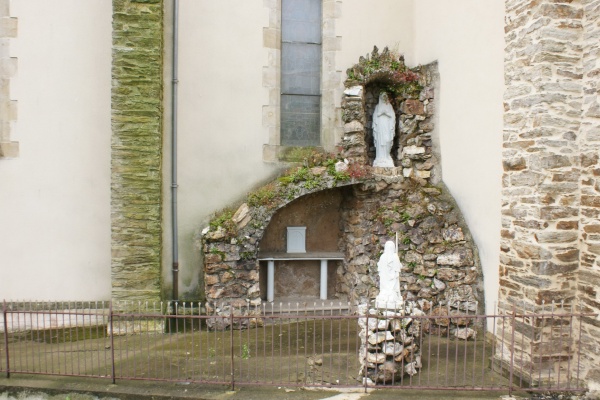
551 198
541 152
440 262
136 148
589 133
411 94
8 68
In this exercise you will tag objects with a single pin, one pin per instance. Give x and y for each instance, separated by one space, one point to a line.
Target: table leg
323 279
270 280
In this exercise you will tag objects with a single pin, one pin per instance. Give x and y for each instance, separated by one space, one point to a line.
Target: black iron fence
298 344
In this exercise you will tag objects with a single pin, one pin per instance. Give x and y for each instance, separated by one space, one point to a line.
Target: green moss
214 250
137 111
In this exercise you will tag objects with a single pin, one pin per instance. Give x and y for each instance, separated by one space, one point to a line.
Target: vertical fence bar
280 318
550 340
112 340
560 335
5 321
522 344
571 345
232 351
543 326
579 344
365 377
512 351
37 324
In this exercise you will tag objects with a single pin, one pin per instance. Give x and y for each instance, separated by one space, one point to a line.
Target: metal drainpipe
175 240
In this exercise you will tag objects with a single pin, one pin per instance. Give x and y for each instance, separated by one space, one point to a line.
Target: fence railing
299 344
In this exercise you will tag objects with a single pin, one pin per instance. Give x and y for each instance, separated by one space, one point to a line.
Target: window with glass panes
300 72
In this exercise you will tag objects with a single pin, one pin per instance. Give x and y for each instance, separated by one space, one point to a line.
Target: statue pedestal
390 337
390 305
384 171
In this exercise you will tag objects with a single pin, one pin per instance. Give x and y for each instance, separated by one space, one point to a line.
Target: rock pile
390 341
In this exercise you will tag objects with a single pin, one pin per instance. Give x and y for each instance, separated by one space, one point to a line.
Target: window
301 22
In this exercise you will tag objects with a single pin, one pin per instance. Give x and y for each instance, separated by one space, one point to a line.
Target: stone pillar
551 196
390 341
589 217
541 165
137 149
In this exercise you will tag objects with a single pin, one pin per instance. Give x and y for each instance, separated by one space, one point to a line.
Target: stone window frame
8 69
331 80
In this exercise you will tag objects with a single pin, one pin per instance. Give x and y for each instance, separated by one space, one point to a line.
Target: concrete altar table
324 257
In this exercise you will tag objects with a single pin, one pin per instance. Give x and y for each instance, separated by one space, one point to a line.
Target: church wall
220 120
379 23
230 76
55 196
226 85
470 53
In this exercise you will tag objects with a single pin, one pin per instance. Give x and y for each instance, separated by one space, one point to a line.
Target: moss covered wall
136 148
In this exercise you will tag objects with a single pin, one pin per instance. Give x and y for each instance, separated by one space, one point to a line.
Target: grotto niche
441 271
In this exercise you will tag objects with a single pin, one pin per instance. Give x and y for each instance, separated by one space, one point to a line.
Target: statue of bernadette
389 267
384 130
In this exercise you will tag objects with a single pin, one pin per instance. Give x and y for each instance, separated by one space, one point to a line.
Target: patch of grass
303 176
214 250
338 176
61 335
223 219
245 351
264 196
404 217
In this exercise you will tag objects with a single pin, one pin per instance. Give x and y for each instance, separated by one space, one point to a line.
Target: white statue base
388 304
385 163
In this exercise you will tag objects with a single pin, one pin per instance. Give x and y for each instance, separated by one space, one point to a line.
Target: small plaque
296 239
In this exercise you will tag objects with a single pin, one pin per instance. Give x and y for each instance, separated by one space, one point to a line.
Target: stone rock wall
136 187
439 258
541 152
589 216
231 243
550 207
390 342
441 266
411 94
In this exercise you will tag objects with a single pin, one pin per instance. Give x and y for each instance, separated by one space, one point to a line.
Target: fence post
232 366
112 341
365 376
5 319
512 351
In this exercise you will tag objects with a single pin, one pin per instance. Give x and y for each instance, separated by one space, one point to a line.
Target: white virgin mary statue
389 283
384 129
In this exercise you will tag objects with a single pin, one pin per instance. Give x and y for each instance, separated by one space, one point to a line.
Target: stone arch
231 243
320 213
